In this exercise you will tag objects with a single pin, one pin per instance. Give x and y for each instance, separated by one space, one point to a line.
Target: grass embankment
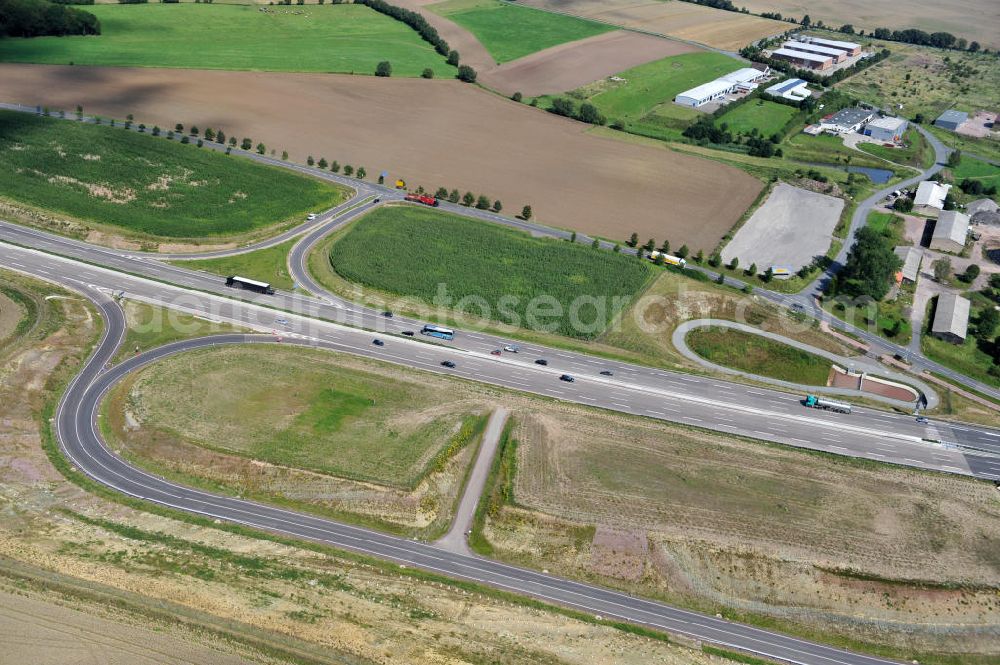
153 188
916 153
510 32
751 353
644 100
149 326
342 38
971 357
765 116
490 271
676 513
299 408
826 149
267 265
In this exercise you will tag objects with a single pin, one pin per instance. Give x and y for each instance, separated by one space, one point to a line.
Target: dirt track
569 66
434 133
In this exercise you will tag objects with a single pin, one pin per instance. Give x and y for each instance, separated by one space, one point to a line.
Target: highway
76 425
729 408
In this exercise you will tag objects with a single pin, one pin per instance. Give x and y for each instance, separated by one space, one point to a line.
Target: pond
877 176
993 255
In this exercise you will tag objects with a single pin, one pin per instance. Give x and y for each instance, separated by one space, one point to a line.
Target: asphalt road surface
709 403
76 423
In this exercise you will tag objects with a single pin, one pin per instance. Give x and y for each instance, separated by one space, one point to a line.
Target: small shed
950 231
951 318
951 119
911 258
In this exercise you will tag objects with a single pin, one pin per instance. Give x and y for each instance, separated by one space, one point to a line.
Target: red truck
421 198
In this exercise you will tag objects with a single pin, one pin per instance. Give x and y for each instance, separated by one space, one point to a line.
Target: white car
311 216
510 348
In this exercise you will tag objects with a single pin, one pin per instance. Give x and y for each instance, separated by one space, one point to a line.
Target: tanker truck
814 402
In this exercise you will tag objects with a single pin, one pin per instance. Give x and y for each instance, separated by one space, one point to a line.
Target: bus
438 331
237 282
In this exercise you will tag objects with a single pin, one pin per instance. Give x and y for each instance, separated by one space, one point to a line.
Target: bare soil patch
434 133
11 314
569 66
684 20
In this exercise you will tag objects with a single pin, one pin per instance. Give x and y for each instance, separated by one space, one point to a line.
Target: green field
510 32
975 169
489 271
644 100
268 265
751 353
301 408
315 38
765 116
145 185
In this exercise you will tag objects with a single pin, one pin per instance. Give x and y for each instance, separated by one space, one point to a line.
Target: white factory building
794 89
930 197
742 80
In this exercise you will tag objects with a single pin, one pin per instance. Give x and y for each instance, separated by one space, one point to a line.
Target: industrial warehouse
816 53
742 80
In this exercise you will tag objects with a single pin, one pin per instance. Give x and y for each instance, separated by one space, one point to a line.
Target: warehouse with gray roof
950 231
951 318
951 119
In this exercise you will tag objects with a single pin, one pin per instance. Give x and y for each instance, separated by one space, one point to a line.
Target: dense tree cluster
412 19
36 18
870 267
717 4
919 37
977 188
586 113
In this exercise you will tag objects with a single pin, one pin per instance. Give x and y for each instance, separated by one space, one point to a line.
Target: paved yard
791 228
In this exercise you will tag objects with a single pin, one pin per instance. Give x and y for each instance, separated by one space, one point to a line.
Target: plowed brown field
434 133
684 20
569 66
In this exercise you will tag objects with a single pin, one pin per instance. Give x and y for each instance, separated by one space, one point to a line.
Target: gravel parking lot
788 230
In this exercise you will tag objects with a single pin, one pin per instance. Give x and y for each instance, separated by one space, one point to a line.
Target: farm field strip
150 187
714 27
592 184
510 31
344 38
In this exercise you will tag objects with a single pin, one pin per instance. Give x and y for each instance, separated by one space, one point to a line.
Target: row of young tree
38 18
